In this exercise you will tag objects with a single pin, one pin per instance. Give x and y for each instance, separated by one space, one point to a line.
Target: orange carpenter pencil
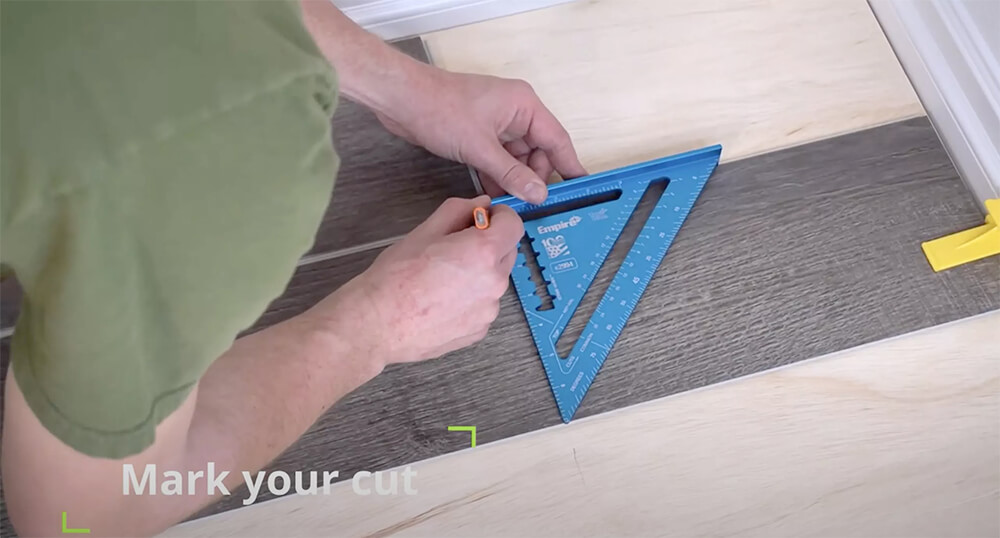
481 217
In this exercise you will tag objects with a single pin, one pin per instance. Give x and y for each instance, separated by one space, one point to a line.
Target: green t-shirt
163 166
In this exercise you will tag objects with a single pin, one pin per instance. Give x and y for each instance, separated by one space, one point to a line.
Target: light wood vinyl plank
897 438
636 79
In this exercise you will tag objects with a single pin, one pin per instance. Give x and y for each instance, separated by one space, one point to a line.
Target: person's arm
369 71
435 291
498 126
254 401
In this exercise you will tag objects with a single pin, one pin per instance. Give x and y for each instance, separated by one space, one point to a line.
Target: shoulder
85 83
164 165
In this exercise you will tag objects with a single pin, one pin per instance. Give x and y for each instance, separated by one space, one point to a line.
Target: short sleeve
143 259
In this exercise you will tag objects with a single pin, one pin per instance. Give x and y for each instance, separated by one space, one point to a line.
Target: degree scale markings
570 244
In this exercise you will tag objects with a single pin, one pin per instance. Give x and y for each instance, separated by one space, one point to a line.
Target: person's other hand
498 126
435 291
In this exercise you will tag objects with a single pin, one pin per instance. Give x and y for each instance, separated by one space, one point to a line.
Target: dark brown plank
385 186
6 529
10 302
786 256
312 282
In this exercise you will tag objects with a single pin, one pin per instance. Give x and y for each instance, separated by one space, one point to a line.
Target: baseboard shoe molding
956 76
396 19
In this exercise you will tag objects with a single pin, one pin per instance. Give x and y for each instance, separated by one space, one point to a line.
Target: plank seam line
239 512
341 252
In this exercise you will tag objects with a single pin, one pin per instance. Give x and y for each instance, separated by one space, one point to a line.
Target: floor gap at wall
394 19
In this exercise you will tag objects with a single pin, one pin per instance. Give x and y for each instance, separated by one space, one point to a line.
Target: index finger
547 134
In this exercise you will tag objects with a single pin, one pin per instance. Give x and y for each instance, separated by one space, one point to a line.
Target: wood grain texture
313 282
6 529
898 438
634 79
786 256
385 186
10 302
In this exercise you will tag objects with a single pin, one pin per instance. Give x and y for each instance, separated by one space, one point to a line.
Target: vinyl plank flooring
385 186
6 529
10 302
313 282
786 256
899 438
633 79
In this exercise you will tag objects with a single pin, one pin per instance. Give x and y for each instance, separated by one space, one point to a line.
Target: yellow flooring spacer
969 245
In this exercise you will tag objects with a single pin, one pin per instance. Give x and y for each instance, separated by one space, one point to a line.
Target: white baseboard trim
954 69
395 19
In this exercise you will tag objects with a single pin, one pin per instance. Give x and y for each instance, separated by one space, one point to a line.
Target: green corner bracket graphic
72 531
465 429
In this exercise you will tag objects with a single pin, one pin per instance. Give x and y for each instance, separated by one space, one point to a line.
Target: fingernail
535 192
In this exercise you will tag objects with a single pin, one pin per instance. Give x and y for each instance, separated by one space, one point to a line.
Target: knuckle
561 142
477 257
490 312
517 230
452 203
512 230
522 86
516 175
418 264
505 213
482 252
500 286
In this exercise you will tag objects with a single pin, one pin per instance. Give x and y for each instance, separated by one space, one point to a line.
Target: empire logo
561 225
555 246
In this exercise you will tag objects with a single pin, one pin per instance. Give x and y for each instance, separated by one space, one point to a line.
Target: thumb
509 173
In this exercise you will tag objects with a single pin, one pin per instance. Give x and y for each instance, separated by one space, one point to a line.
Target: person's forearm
369 71
253 402
266 391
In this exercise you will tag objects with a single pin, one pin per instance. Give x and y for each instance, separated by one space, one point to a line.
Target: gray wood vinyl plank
786 256
6 529
10 302
312 282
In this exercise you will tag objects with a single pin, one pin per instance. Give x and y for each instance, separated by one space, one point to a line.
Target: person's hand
498 126
435 291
